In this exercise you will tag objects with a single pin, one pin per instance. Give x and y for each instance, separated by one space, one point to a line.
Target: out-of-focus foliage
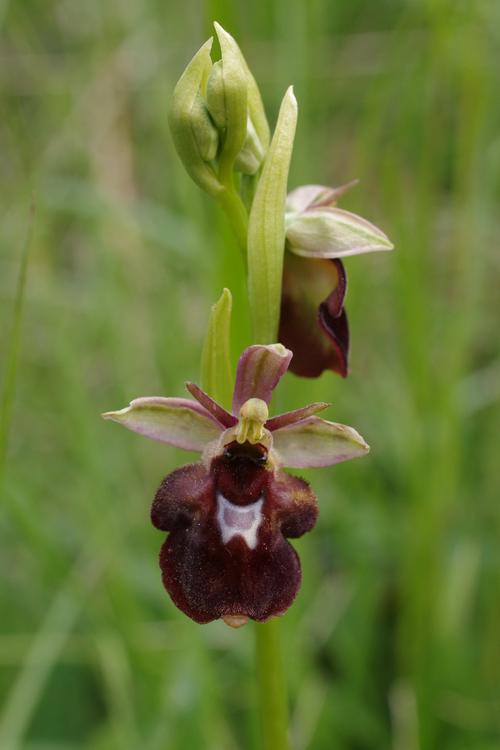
394 640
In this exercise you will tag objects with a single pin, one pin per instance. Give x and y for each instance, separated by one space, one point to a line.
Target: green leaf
216 371
266 229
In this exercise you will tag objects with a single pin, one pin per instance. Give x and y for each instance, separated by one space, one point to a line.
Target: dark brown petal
313 322
212 565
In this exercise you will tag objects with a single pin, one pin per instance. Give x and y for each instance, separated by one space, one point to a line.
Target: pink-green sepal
315 442
326 232
175 421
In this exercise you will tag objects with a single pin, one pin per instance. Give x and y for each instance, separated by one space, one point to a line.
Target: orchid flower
230 514
318 234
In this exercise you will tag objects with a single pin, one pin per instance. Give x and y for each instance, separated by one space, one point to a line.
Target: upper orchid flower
313 319
229 514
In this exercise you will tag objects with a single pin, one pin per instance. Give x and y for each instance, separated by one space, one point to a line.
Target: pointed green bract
191 126
216 372
266 229
205 133
214 95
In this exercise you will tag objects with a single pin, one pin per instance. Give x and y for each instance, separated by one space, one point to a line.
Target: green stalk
271 686
235 210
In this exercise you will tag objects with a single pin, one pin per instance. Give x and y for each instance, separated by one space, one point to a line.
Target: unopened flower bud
252 154
204 130
227 100
216 101
193 133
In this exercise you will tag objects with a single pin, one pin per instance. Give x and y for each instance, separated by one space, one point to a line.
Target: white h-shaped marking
239 520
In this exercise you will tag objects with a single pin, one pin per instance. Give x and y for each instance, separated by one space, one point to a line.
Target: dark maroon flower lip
227 559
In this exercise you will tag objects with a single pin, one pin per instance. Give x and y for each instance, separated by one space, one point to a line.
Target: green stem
271 686
236 212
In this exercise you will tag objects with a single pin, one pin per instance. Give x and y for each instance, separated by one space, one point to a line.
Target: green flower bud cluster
217 118
221 133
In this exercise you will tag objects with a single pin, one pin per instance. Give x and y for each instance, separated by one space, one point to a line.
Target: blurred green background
394 641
